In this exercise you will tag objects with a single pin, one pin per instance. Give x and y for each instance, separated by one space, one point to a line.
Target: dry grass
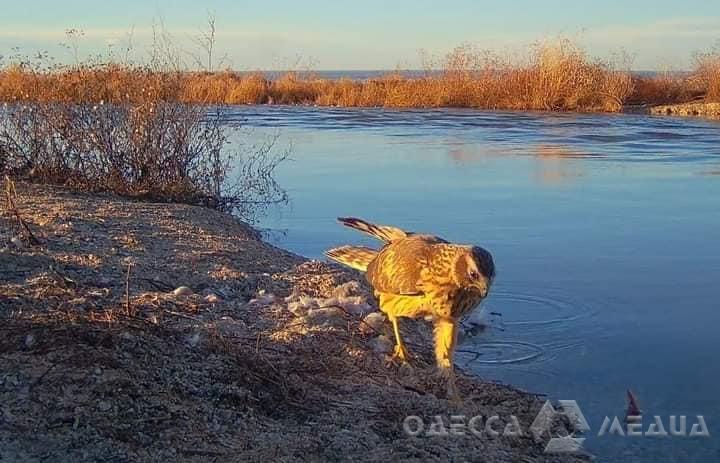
707 72
701 85
550 75
665 88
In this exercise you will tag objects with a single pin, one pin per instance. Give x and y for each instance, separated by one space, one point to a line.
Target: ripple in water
529 329
503 352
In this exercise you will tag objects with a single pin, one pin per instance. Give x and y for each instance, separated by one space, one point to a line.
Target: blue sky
370 34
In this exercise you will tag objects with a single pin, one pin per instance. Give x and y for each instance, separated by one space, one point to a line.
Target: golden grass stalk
551 75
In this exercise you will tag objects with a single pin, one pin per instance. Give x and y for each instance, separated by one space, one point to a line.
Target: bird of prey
416 275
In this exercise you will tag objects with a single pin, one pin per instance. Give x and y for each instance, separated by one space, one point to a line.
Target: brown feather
381 232
357 257
397 268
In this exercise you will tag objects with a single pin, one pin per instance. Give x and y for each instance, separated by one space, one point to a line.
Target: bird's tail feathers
357 257
381 232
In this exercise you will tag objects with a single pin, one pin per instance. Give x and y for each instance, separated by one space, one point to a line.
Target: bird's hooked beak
484 289
483 286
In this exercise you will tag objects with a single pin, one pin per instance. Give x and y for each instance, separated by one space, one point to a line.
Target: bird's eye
474 275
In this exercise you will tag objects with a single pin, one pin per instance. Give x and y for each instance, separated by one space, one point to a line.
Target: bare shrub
254 186
707 72
666 87
143 141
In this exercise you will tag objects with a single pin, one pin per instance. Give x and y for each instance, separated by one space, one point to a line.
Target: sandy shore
709 110
264 356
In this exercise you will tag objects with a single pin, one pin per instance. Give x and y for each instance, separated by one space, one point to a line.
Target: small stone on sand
17 242
183 291
326 316
104 405
372 323
212 299
194 340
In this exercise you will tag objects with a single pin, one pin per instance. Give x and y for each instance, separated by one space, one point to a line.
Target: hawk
416 275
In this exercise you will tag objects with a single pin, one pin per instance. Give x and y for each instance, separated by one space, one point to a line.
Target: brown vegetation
554 75
129 131
701 85
665 88
708 73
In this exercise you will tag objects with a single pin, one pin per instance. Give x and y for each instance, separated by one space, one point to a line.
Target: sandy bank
711 110
267 359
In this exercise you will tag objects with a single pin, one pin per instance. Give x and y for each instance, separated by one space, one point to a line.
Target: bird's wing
400 266
357 257
382 232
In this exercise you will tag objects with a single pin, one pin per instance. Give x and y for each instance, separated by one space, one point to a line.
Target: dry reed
707 72
551 75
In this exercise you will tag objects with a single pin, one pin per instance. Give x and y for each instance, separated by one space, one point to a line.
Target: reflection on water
462 154
554 164
544 151
604 229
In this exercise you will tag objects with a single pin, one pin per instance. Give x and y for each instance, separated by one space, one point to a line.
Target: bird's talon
447 375
401 354
452 394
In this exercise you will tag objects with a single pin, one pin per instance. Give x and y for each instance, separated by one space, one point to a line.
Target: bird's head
475 269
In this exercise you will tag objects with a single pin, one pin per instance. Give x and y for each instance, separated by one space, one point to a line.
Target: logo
543 424
557 424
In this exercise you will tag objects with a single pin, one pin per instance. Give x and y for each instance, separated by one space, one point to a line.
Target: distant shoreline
698 109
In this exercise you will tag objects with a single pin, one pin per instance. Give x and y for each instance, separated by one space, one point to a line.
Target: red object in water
632 409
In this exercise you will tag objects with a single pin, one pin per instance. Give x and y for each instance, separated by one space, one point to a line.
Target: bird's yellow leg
400 352
445 341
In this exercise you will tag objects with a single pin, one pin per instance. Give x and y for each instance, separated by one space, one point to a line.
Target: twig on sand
128 310
39 379
182 315
10 195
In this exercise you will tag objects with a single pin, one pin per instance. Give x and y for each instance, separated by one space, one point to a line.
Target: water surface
605 231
